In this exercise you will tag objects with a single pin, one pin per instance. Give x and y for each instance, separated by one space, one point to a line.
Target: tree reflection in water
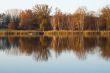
39 47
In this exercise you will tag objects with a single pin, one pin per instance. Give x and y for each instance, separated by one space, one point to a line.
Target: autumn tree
60 21
56 19
28 20
106 15
42 12
79 17
91 21
102 23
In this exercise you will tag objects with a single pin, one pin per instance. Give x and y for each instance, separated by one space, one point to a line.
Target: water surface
55 54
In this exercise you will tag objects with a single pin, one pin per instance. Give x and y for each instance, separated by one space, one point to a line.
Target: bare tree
42 12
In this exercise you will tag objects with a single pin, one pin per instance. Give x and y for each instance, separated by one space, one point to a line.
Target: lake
56 54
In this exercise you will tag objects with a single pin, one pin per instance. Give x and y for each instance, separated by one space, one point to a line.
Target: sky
64 5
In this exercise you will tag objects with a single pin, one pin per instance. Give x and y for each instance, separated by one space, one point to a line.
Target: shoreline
34 33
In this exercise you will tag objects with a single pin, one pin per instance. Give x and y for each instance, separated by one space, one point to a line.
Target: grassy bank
20 33
77 33
33 33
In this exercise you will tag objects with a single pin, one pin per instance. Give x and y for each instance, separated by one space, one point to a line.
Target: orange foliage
27 18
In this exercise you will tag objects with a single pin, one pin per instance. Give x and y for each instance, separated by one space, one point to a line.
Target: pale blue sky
64 5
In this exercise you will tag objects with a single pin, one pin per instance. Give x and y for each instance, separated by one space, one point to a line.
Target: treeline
39 18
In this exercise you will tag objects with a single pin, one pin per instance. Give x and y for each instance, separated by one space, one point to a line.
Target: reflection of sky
65 5
65 63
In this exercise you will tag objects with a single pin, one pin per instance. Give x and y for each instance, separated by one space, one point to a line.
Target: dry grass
53 33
